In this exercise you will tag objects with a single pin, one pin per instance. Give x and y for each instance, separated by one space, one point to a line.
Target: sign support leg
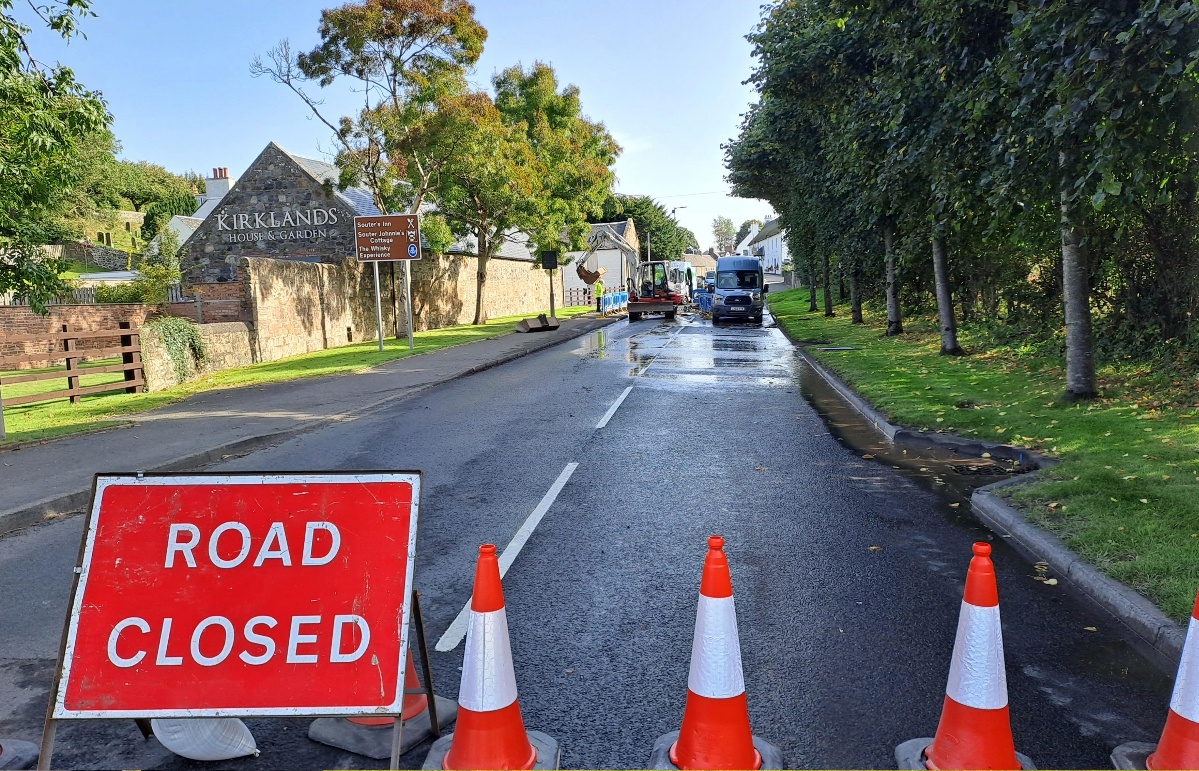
408 301
551 275
378 306
425 664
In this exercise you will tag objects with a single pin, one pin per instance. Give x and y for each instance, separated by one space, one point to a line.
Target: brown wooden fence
129 348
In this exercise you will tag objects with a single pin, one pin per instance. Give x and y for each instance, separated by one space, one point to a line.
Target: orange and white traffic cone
490 732
715 731
1179 744
975 730
371 736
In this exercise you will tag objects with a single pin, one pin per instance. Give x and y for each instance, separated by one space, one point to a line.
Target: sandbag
205 738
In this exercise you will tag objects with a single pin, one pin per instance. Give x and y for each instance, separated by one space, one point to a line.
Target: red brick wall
17 320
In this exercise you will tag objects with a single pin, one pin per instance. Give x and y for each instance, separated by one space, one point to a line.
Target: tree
723 231
47 120
493 189
576 154
743 231
659 234
159 213
1107 92
690 242
142 182
409 58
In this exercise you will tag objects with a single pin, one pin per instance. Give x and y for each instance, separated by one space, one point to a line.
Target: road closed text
248 594
215 638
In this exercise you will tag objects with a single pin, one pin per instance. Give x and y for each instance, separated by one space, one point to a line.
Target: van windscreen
737 279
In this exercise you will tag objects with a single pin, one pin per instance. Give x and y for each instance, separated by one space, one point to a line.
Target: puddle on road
949 473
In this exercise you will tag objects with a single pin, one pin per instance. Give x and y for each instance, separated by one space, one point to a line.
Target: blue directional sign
412 250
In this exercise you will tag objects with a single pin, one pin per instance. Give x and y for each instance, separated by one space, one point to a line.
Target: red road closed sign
224 595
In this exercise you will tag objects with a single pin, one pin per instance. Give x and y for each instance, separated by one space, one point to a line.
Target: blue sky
665 76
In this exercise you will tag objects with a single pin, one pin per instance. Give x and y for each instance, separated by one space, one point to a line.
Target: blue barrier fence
704 301
614 301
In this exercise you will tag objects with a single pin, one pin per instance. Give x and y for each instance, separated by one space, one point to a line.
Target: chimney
218 184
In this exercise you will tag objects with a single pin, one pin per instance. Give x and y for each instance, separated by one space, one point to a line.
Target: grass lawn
76 269
43 420
1126 493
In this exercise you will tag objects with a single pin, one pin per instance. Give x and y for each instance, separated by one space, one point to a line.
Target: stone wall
226 346
300 307
443 290
21 320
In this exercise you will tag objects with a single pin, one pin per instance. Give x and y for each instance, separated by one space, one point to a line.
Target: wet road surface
848 572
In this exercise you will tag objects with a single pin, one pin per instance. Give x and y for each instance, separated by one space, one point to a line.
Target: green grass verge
44 420
76 269
1126 493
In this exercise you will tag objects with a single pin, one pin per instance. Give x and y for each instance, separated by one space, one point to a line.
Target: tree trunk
484 257
828 289
855 293
812 306
841 279
949 329
894 316
1076 282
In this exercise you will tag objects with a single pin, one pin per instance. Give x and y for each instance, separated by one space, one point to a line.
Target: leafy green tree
723 230
159 213
577 154
659 234
1106 92
142 182
47 120
690 242
410 58
160 269
492 189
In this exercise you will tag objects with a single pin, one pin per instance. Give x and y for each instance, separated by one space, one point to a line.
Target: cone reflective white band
716 651
488 680
1185 701
976 675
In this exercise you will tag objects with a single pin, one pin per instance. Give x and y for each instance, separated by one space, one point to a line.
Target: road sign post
549 263
230 595
389 237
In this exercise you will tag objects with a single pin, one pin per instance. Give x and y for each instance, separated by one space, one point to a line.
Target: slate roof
358 198
772 228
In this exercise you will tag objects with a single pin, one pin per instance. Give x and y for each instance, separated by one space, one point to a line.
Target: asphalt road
848 573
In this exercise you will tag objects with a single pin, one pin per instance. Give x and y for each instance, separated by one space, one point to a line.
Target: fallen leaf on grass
1144 500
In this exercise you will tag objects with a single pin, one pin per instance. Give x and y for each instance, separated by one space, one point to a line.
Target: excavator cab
652 281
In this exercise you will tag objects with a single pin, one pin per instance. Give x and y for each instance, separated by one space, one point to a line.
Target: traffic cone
975 731
715 731
1179 744
371 736
490 732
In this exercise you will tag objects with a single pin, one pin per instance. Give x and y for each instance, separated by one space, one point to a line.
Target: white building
743 247
770 244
